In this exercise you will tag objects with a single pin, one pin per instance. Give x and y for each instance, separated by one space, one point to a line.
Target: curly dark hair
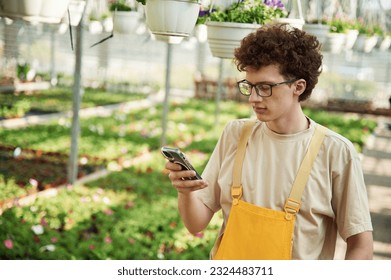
296 52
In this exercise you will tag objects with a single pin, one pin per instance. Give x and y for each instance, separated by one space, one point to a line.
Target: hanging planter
336 40
334 43
365 43
225 37
125 22
228 25
293 22
319 30
171 17
351 37
384 43
49 11
53 9
125 17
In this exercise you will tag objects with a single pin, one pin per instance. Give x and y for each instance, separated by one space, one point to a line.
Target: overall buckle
291 208
236 193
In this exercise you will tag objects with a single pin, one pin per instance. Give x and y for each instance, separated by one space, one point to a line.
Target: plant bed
35 170
115 141
130 215
59 99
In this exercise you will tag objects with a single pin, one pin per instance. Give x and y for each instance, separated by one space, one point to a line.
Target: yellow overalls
256 233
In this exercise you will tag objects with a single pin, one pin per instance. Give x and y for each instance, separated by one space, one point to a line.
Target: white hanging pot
386 43
365 43
351 37
125 22
334 43
293 22
50 11
225 37
171 17
318 30
54 9
21 8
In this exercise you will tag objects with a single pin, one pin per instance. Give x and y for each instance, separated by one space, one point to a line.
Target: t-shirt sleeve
350 199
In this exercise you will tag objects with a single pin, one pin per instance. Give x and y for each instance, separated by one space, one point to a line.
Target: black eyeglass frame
267 84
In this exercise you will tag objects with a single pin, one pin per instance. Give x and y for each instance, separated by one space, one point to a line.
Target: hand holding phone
176 156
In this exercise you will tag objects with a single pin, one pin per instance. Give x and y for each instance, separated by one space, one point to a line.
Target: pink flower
109 212
108 240
54 239
199 235
8 244
91 246
44 222
33 182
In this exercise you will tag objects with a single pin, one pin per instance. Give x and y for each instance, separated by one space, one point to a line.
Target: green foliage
120 5
131 213
15 110
355 129
22 70
340 25
59 99
364 28
246 12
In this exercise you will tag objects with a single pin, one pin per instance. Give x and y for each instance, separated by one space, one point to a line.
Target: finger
175 175
173 166
189 184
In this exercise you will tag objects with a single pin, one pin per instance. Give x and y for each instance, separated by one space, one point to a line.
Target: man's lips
259 110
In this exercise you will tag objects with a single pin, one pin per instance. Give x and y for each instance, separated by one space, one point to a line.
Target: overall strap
236 188
292 204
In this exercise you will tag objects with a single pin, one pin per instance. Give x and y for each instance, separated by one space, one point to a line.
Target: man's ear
300 86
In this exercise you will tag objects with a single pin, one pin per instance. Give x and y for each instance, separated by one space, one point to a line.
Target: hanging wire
70 28
112 31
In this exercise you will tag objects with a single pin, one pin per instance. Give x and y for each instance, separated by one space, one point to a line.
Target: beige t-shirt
335 196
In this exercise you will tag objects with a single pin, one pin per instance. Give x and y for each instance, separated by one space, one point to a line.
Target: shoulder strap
236 188
292 204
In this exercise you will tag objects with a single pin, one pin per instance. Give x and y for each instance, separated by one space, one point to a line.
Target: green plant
15 110
22 69
120 5
246 11
340 25
143 2
365 28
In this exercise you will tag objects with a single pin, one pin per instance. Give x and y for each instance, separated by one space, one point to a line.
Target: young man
265 215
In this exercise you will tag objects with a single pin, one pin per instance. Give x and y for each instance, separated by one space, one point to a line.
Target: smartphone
175 155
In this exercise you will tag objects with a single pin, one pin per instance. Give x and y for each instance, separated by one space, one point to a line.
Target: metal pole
167 95
219 91
53 78
77 92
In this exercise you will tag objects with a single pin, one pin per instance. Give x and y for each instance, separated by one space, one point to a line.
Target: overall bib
257 233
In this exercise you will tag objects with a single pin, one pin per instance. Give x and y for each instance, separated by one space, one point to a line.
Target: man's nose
254 97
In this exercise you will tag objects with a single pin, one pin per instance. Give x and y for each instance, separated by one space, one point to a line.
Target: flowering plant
120 5
144 1
246 11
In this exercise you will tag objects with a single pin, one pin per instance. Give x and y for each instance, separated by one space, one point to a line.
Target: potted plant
172 18
367 36
227 26
336 38
50 11
318 28
125 16
385 42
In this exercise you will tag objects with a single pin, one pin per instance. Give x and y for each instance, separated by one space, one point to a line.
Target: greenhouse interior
90 90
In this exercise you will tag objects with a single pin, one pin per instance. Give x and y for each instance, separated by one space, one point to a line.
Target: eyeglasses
262 89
